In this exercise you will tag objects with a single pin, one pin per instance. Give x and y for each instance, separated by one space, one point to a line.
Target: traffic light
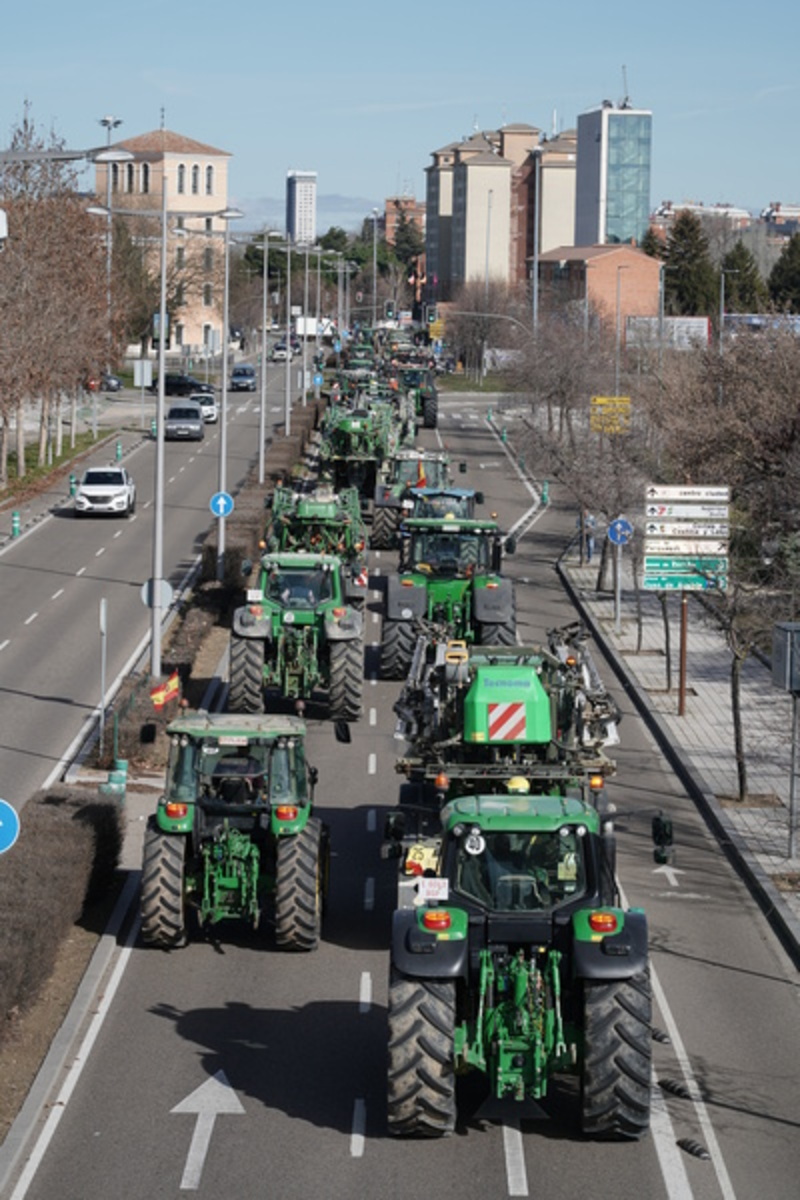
388 309
431 313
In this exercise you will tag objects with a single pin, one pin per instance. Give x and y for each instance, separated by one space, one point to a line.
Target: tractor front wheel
384 528
246 677
615 1080
421 1079
503 633
163 905
430 411
300 887
397 648
347 679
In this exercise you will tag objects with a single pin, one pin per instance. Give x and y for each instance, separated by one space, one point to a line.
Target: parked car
110 382
107 490
182 385
184 422
208 406
243 378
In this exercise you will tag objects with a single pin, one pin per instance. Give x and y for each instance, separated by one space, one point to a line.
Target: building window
181 179
180 296
178 335
208 295
209 225
208 259
180 222
180 257
208 338
146 178
209 181
129 177
195 180
115 177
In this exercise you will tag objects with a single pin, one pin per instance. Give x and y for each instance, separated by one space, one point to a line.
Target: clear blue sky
362 93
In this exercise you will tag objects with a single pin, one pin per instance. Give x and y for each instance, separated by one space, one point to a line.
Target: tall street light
287 399
374 267
723 271
227 215
305 326
537 226
262 423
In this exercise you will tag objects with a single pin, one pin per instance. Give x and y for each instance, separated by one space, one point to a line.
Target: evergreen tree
784 279
690 284
745 290
409 244
652 244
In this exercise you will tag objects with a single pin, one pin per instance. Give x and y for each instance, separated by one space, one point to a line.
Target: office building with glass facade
612 201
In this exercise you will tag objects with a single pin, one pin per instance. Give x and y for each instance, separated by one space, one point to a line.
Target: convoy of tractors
510 952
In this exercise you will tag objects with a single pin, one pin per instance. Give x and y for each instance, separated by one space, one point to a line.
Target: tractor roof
449 525
509 813
235 725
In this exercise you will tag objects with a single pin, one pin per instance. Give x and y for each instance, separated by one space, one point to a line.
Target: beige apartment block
481 219
196 179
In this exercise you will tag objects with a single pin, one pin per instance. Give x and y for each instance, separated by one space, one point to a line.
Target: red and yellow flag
168 690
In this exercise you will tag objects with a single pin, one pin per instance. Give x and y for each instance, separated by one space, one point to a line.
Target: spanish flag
420 475
168 690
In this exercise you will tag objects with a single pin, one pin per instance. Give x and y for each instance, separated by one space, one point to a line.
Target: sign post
620 533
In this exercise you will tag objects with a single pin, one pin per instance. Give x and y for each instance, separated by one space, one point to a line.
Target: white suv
108 490
208 406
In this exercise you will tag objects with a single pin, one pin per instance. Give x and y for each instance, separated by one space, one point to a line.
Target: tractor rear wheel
502 634
246 677
384 528
300 886
430 411
163 906
421 1079
347 680
615 1080
397 649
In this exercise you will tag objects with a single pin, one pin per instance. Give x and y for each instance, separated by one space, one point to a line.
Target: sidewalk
699 745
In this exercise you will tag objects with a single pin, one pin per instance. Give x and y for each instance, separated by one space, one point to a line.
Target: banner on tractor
168 690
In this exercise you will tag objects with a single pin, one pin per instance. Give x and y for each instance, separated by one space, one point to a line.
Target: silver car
208 406
108 490
184 422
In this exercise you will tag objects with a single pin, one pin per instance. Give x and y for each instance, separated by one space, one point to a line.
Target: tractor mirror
313 776
462 466
511 545
662 838
341 732
247 567
479 497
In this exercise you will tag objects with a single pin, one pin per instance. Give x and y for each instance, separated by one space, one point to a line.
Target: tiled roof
162 141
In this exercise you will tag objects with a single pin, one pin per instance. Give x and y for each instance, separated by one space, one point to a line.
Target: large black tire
421 1079
163 905
246 675
300 886
397 648
384 528
347 680
615 1080
502 634
430 411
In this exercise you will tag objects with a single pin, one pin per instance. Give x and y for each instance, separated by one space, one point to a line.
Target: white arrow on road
671 873
213 1097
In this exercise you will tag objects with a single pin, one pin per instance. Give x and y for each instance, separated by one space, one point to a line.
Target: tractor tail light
603 922
437 920
286 812
176 810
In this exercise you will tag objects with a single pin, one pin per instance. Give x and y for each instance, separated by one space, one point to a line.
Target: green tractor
233 831
442 502
297 634
511 955
420 383
355 444
406 472
449 586
322 521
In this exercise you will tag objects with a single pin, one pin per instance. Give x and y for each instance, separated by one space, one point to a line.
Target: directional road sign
705 566
657 491
687 529
687 512
706 546
686 583
318 380
221 504
620 532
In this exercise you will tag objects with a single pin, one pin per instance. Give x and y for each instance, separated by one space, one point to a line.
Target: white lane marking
369 894
59 1105
377 571
377 553
516 1174
359 1125
80 572
102 550
31 618
4 644
672 1170
372 764
662 1132
55 595
375 618
365 992
373 680
372 815
373 716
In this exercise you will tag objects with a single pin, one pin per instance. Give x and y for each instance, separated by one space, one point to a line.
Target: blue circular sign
9 826
620 532
221 504
317 380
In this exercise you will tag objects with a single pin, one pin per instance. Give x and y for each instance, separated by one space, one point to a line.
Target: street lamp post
227 215
374 267
537 225
262 422
305 326
287 400
109 123
722 273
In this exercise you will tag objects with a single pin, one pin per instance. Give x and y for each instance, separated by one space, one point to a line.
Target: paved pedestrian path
700 742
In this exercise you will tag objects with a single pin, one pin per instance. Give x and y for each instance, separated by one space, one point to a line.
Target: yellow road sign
610 414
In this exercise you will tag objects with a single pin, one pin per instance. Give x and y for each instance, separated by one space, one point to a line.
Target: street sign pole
618 588
682 655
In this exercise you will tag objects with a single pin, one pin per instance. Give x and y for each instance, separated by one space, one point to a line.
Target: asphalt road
287 1052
